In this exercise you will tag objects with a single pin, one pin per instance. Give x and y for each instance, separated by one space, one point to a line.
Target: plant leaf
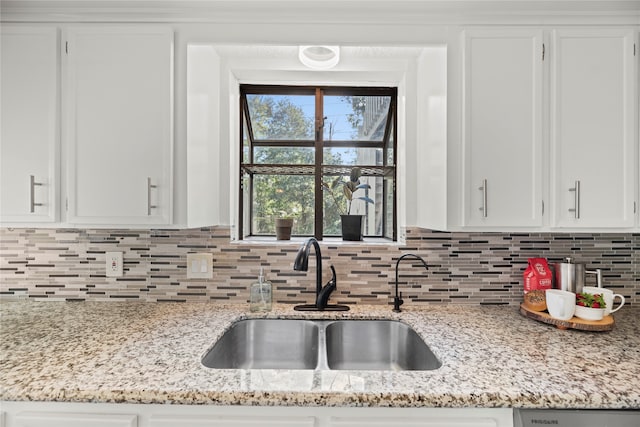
351 186
347 192
366 199
355 174
336 182
363 186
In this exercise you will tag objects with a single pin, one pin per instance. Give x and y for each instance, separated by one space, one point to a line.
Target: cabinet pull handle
150 186
483 188
576 200
32 193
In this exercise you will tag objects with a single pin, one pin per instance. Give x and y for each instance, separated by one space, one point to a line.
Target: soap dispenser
260 294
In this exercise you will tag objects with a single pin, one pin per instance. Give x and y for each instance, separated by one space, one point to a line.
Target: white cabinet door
422 417
449 421
231 421
119 124
62 419
593 123
502 128
29 123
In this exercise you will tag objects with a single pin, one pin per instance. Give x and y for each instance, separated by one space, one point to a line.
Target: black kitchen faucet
301 263
397 300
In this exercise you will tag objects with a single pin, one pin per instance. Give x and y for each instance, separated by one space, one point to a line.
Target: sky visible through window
336 110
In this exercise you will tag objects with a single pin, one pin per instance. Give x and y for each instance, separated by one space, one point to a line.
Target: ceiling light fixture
319 57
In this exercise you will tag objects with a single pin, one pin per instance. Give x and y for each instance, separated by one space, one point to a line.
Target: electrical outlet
199 266
113 264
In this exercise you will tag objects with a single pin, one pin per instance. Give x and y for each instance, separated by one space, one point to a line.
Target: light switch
200 266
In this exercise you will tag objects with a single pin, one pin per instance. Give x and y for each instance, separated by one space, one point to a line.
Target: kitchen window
294 139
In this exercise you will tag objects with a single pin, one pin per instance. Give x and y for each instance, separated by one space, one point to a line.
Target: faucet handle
323 296
397 302
333 276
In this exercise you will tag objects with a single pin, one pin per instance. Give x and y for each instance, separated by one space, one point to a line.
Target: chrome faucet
397 300
301 263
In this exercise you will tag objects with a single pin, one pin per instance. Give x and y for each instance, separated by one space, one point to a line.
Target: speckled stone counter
150 353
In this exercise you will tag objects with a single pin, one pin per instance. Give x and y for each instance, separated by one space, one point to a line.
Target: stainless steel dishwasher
576 418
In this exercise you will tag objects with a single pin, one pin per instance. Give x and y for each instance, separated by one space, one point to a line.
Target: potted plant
284 224
351 224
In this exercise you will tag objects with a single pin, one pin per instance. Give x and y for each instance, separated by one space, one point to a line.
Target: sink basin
266 344
377 345
381 345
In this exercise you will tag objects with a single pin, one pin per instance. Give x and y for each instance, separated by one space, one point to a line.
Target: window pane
353 156
388 232
355 118
390 147
335 204
282 117
246 214
372 211
283 195
284 155
245 143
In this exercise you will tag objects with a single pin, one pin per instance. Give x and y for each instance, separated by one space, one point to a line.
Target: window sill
327 241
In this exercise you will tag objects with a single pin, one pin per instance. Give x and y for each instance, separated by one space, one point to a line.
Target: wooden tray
606 324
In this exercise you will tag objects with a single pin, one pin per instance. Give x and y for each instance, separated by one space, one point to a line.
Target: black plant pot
351 227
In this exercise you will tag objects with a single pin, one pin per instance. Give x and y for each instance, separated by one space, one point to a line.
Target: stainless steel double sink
381 345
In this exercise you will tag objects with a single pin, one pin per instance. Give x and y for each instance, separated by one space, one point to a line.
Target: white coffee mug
560 304
608 296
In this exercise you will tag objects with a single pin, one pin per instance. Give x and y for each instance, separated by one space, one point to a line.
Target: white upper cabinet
502 128
119 126
29 123
593 128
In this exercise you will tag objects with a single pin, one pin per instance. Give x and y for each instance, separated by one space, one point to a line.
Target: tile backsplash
464 268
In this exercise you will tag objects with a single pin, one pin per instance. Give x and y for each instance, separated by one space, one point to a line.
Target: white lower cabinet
230 421
59 414
72 419
464 418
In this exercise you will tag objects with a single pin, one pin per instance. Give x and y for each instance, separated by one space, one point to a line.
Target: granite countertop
150 353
